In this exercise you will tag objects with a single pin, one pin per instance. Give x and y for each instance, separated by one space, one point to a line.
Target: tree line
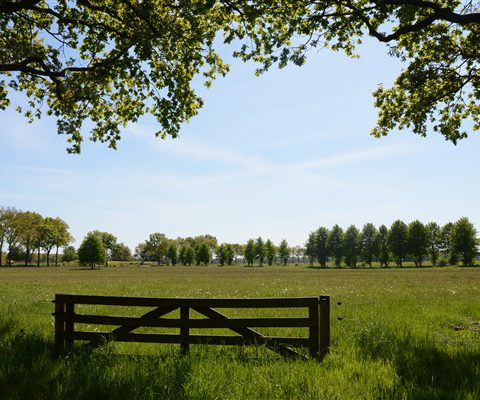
25 232
205 249
441 245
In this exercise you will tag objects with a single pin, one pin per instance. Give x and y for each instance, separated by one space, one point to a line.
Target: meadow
397 334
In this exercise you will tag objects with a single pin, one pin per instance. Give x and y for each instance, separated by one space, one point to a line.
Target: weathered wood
156 313
184 330
59 326
248 334
189 302
69 325
324 349
135 322
192 339
318 322
314 330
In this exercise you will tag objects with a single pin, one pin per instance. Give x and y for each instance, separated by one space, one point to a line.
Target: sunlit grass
412 333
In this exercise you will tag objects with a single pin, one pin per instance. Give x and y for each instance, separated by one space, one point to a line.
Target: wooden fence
317 322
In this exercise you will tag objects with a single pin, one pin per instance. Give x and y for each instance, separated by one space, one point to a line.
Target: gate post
314 329
59 325
324 326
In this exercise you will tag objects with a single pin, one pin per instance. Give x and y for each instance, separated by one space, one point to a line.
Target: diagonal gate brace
155 313
249 334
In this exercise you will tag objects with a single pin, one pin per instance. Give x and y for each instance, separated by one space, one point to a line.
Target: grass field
405 334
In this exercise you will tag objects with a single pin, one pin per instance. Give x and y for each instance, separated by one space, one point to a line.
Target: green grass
405 334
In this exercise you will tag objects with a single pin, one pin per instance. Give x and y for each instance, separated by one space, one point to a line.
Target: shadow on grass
29 369
425 368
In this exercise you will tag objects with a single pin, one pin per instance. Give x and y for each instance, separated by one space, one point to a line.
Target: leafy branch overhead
106 63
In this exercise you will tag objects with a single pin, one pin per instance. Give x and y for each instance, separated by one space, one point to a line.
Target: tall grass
403 334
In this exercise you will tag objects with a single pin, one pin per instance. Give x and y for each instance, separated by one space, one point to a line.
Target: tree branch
14 6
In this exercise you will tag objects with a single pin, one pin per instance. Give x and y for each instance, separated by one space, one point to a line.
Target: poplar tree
417 242
465 242
383 246
398 241
260 251
335 244
351 246
369 243
250 252
311 247
270 252
321 248
434 242
284 252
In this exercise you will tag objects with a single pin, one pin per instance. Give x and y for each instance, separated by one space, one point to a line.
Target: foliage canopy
105 64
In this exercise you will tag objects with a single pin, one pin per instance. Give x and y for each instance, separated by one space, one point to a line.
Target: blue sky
273 156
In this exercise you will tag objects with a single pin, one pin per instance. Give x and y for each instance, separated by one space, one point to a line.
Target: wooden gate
317 322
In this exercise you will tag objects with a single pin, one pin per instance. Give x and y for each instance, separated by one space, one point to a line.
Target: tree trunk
38 257
48 258
27 253
9 256
56 257
1 251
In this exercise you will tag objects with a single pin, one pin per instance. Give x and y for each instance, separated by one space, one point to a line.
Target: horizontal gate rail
189 323
257 302
317 322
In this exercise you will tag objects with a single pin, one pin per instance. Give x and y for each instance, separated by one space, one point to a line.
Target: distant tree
187 254
221 254
335 244
464 241
48 236
209 240
12 228
17 253
225 254
284 252
321 249
3 228
351 246
157 247
69 254
141 252
204 254
398 241
62 235
417 242
190 255
91 251
250 252
260 251
311 247
121 252
229 254
29 230
270 252
369 243
172 253
434 242
448 250
383 246
182 253
237 251
109 241
299 253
